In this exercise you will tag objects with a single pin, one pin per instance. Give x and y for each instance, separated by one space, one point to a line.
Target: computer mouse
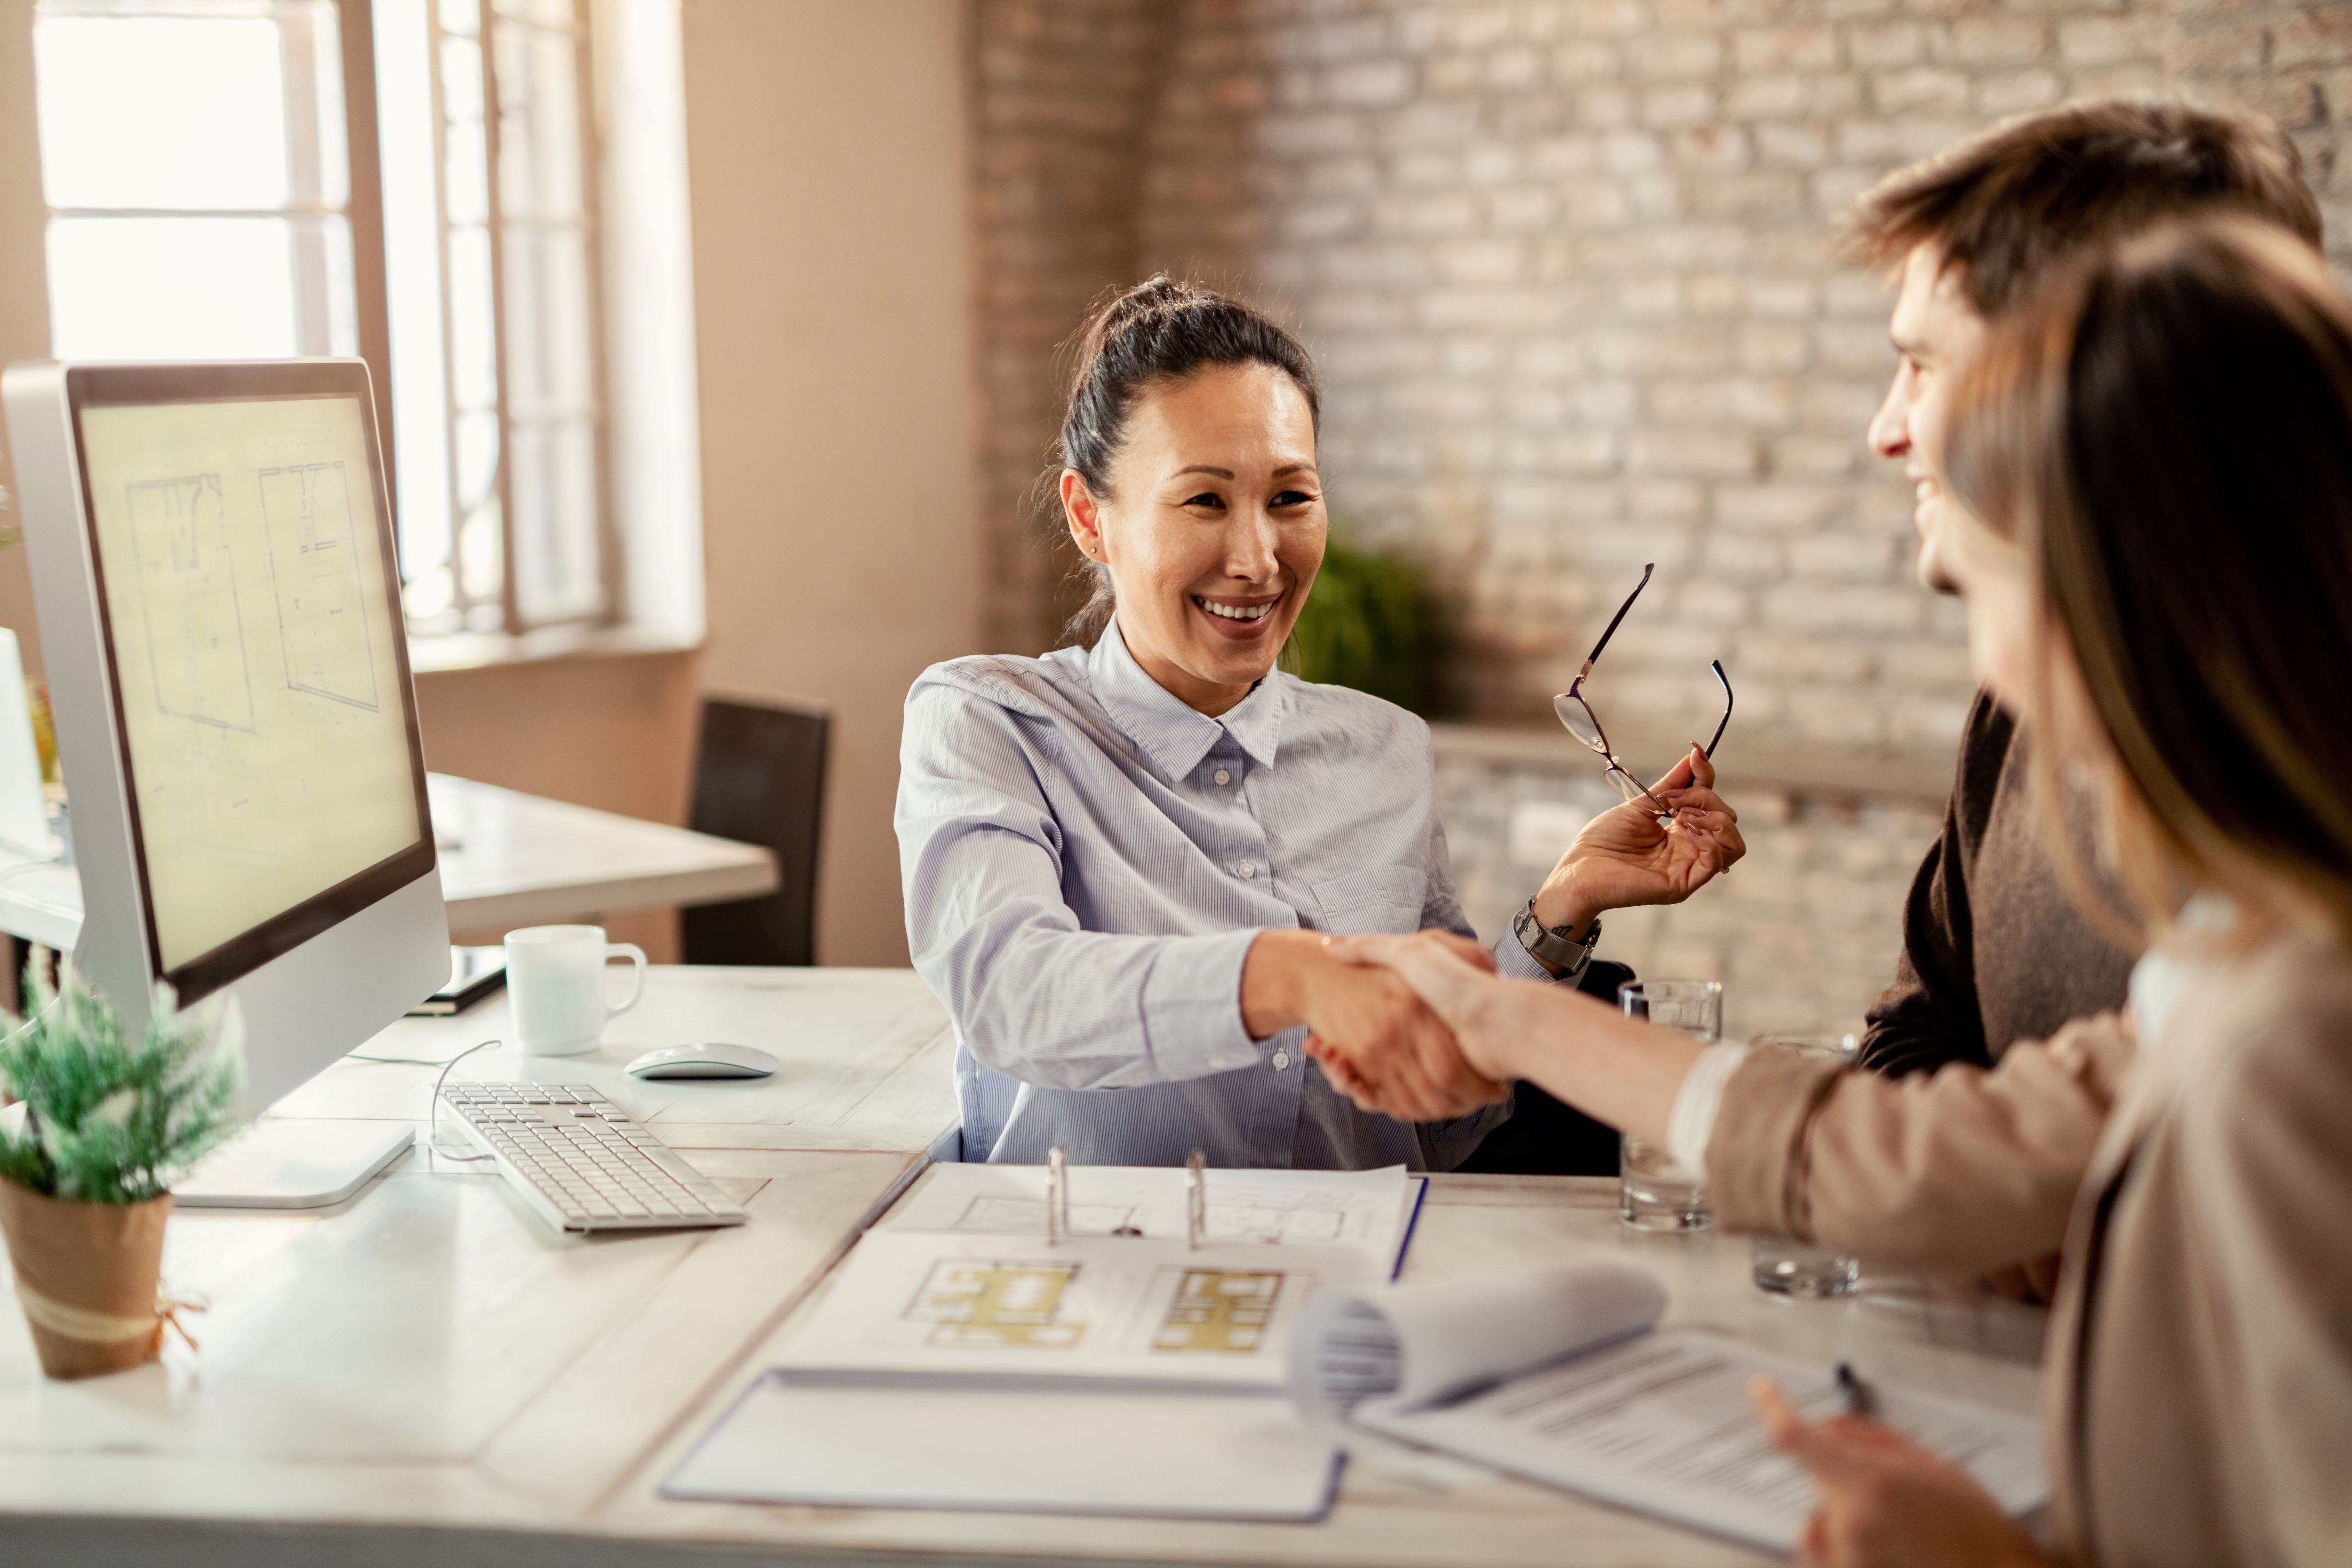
708 1060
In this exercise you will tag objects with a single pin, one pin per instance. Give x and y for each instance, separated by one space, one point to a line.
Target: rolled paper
1422 1344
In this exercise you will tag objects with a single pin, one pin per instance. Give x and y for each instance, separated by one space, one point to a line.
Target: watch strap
1550 946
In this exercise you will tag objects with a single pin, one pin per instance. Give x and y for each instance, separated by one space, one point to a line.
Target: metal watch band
1549 945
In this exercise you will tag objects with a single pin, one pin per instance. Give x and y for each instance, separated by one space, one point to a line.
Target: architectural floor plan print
1224 1312
314 563
979 1305
187 599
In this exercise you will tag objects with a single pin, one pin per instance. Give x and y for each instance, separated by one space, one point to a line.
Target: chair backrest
758 778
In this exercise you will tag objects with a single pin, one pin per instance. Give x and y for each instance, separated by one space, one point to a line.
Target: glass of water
1789 1267
1653 1193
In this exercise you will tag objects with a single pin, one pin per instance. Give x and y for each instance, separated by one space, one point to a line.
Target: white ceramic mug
555 985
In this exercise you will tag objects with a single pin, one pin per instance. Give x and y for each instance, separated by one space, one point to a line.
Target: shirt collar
1173 736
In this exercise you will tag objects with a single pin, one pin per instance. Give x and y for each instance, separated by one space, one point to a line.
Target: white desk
427 1358
509 860
429 1353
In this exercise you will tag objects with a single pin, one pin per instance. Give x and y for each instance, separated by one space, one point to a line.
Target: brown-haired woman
1117 859
2161 455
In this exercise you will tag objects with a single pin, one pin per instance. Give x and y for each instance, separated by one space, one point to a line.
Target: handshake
1420 1028
1404 1025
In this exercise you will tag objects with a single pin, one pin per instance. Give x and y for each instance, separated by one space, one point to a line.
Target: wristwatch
1550 946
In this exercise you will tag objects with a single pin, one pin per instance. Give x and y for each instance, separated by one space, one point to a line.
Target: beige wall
24 282
827 148
826 140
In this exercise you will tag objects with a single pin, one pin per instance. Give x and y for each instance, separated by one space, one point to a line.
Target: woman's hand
1454 977
1366 1015
1624 856
1886 1501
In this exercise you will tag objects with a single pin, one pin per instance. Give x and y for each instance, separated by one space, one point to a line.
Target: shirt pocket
1384 898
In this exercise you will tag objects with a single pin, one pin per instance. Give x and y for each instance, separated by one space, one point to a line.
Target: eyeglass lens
1578 720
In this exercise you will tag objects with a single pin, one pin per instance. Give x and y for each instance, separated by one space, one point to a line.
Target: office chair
758 778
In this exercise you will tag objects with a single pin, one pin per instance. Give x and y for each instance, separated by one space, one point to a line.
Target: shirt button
1245 870
1281 1060
1224 777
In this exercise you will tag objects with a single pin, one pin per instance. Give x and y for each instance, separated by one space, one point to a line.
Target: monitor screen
261 682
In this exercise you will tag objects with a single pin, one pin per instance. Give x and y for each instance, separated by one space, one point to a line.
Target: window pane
160 112
539 124
173 288
554 483
547 322
461 79
547 13
412 228
478 458
473 350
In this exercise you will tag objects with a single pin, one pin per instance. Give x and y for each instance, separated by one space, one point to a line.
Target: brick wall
1804 934
1569 268
1061 94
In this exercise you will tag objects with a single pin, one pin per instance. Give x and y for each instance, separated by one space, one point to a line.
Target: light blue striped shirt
1087 861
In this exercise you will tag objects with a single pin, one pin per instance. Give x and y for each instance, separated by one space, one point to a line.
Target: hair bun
1156 293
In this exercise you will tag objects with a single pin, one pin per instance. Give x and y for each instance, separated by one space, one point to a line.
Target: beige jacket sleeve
2266 1160
1962 1171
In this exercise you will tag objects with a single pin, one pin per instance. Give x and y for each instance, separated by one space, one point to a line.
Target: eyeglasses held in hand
1576 712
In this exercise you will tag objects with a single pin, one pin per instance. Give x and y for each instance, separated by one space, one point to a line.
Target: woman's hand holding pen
1886 1503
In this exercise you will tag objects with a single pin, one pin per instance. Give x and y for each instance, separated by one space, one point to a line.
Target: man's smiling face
1937 331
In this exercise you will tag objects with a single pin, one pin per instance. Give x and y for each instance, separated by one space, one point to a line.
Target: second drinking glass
1653 1192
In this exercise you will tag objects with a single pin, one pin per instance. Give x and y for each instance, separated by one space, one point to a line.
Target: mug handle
637 956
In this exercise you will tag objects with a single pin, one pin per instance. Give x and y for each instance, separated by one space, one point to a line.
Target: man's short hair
2007 204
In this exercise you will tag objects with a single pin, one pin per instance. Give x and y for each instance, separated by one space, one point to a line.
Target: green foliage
1371 624
108 1122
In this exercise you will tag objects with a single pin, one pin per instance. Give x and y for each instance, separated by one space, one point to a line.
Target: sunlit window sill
489 650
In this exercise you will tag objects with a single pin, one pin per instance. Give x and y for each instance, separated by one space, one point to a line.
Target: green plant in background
1369 623
106 1120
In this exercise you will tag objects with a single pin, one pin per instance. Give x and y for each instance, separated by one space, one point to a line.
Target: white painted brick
1372 84
1878 47
1680 105
2101 40
1999 40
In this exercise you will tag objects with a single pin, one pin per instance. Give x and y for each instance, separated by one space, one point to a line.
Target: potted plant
88 1160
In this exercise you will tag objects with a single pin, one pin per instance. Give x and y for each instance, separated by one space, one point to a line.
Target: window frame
512 621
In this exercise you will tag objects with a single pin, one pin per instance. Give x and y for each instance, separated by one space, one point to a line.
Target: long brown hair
2166 435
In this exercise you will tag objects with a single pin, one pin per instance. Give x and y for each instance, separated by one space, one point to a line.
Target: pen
1859 1399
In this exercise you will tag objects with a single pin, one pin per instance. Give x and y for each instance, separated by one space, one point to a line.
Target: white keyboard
580 1162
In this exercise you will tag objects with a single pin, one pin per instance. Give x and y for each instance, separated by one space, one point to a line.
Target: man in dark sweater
1994 949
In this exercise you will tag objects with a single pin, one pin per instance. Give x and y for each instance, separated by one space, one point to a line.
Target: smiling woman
1120 860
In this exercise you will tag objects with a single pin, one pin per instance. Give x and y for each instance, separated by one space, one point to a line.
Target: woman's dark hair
2166 435
1159 332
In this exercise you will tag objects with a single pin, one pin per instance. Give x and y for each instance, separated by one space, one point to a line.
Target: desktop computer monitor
213 565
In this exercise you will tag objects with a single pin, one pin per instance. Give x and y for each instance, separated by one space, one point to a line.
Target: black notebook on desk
474 973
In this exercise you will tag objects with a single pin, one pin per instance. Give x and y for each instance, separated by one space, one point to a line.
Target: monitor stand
283 1165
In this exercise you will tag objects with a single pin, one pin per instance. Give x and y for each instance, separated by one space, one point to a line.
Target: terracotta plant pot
86 1276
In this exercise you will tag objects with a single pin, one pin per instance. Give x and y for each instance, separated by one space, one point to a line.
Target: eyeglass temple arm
1716 666
1611 630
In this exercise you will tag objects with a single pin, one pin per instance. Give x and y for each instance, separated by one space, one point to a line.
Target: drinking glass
1789 1267
1654 1193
